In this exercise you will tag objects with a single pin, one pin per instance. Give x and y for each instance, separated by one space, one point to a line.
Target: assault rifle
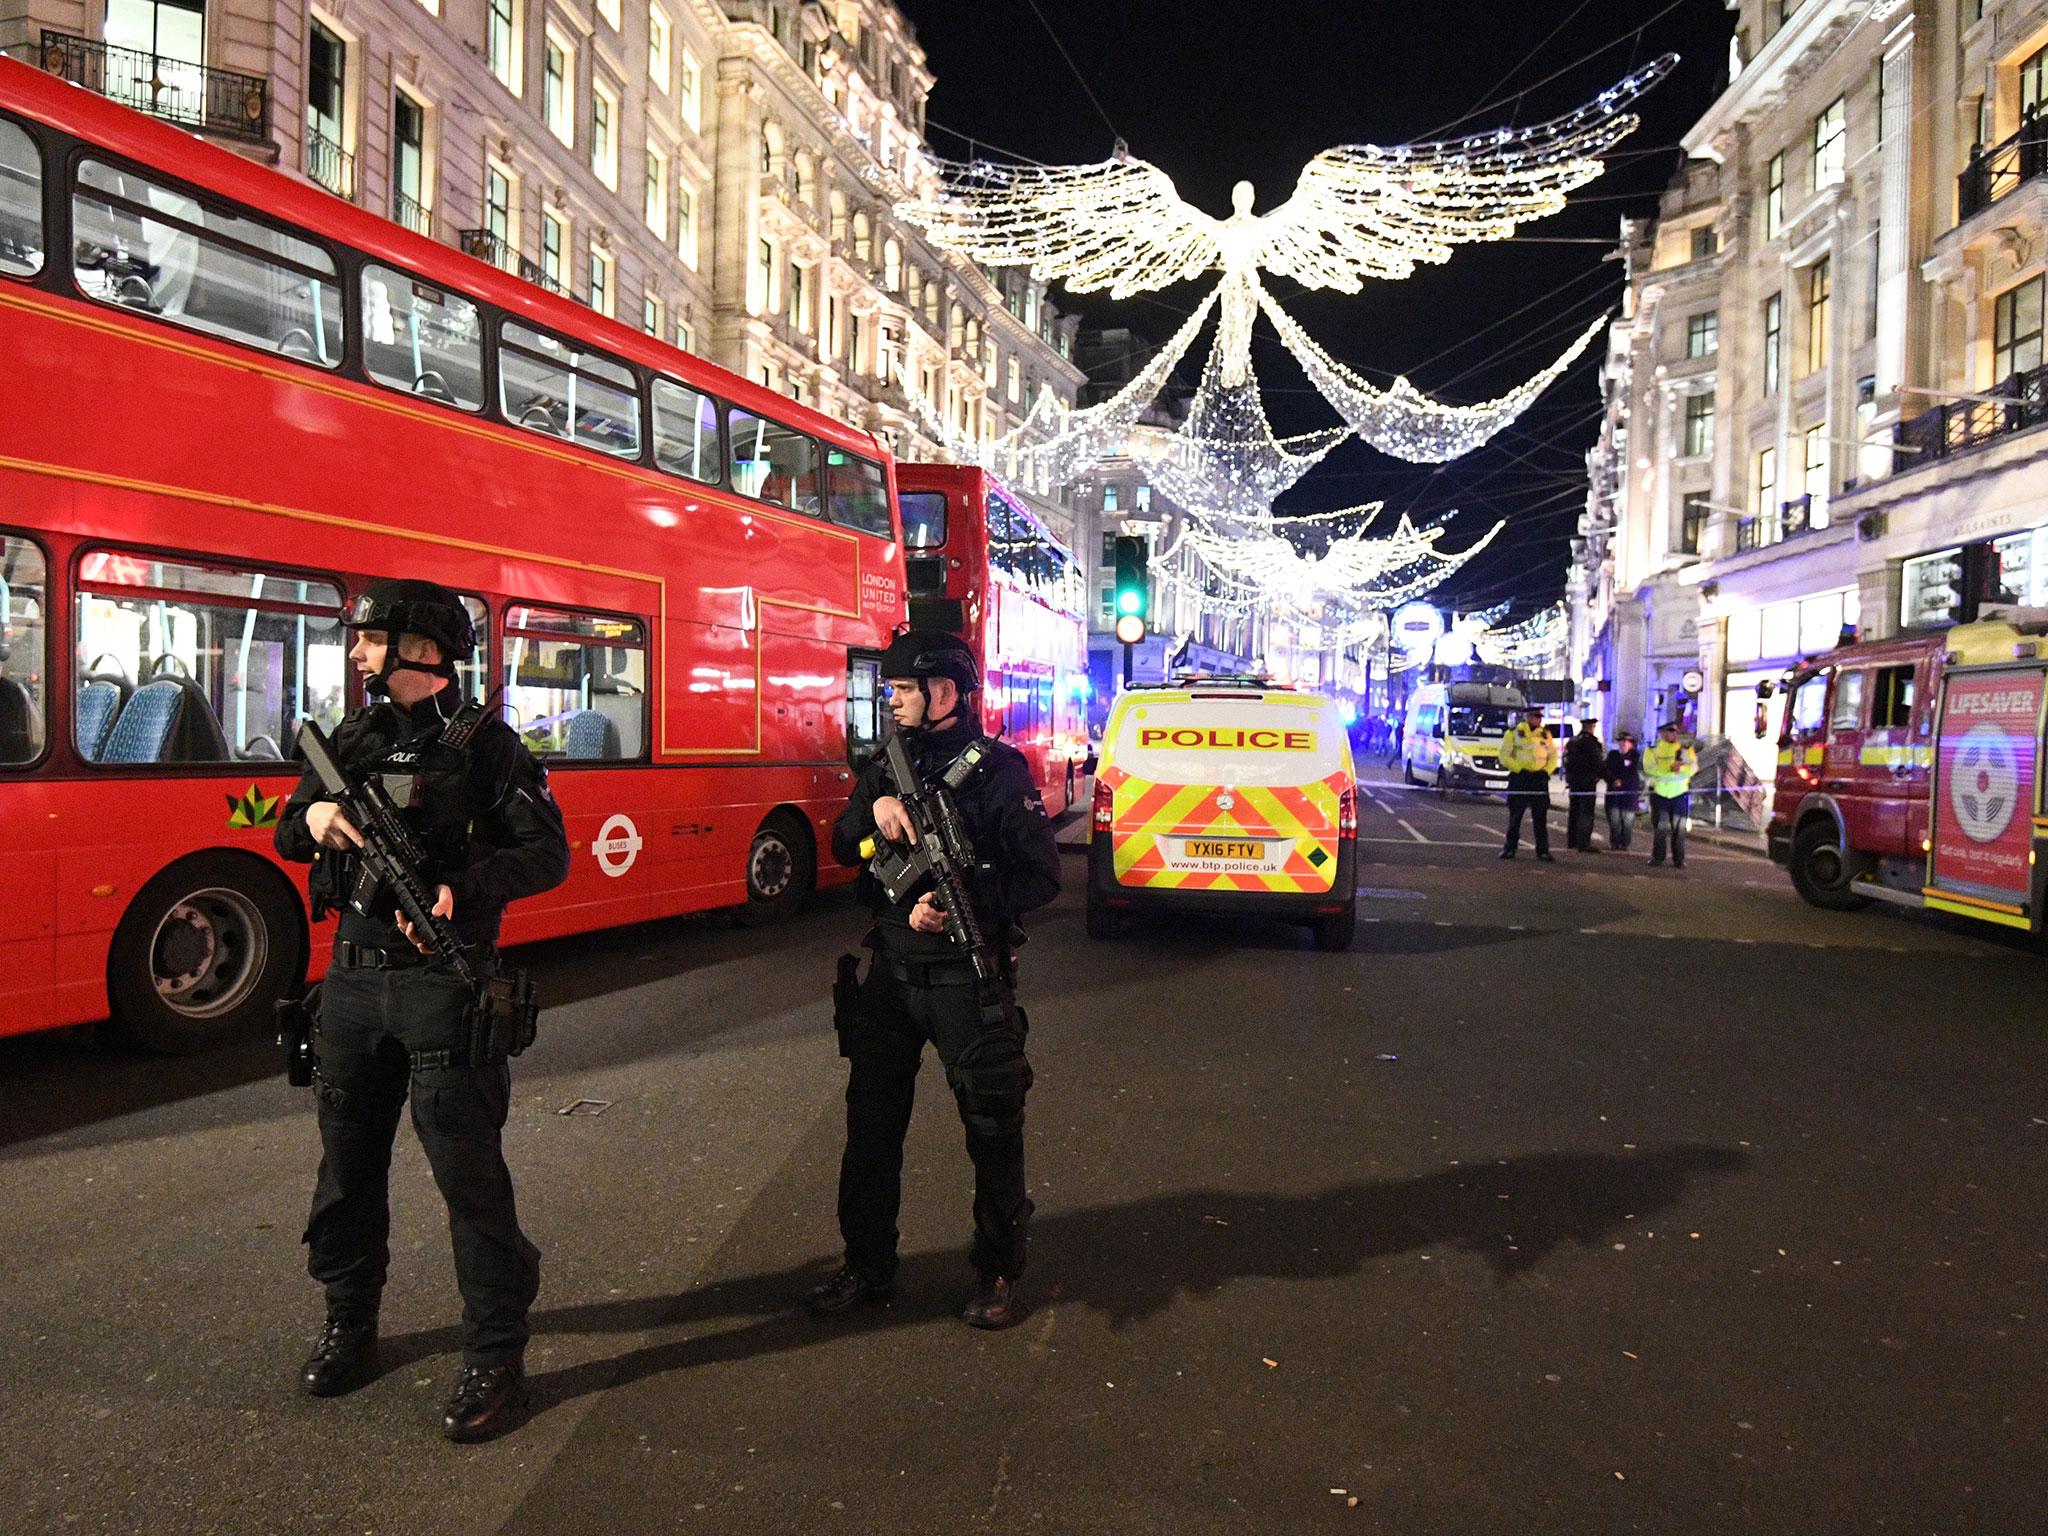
942 854
504 1014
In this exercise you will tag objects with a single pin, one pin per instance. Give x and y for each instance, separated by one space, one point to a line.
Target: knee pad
990 1079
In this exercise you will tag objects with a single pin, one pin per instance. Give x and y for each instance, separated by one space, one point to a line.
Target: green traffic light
1129 601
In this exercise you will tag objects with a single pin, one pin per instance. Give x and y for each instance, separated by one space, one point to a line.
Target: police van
1227 795
1452 734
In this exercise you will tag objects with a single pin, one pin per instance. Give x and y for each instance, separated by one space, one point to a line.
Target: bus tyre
781 870
1102 922
203 953
1333 930
1821 871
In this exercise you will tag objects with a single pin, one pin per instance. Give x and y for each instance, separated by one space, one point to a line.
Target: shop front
1765 643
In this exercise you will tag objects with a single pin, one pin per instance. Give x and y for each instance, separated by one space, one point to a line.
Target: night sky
1214 93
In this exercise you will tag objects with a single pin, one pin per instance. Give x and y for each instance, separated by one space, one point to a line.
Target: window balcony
487 245
1958 426
330 165
2003 169
414 215
190 95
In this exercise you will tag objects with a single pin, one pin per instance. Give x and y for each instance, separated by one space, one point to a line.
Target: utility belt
367 957
499 1023
946 972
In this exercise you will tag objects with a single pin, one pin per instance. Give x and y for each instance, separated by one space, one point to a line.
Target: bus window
423 340
21 203
686 432
24 650
1892 706
775 463
864 707
146 246
1847 715
577 683
184 663
924 519
472 673
547 385
856 492
1809 706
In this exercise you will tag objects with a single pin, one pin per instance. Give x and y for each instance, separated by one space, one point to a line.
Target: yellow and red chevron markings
1144 814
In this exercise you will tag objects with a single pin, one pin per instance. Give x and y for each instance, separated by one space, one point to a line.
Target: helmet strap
379 684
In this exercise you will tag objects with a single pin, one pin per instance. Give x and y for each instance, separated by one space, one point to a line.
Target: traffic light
1133 588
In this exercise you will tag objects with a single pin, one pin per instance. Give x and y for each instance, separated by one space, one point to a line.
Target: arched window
956 334
931 306
806 178
771 147
838 217
863 237
973 351
892 266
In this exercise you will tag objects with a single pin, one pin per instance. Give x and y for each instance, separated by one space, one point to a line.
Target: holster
298 1030
846 1002
504 1019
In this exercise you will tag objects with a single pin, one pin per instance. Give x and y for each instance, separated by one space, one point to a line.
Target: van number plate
1201 849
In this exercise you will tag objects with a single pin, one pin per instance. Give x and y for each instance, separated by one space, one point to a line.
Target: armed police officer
391 1021
921 986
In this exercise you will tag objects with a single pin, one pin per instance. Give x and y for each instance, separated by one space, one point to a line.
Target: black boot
994 1304
342 1356
847 1288
487 1400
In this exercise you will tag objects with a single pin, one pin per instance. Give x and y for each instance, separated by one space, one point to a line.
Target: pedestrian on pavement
1529 753
1583 761
1669 766
394 1022
920 986
1624 775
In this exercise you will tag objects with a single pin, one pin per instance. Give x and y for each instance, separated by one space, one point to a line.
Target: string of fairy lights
1358 212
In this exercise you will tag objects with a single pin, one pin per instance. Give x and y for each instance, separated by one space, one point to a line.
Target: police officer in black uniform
920 986
392 1021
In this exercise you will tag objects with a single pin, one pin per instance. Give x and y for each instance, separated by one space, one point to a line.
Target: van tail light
1104 809
1347 813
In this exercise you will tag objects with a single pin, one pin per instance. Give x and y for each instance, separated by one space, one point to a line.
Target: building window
554 249
604 135
1109 498
499 220
2034 83
1704 244
686 336
686 226
1767 483
650 314
765 273
1774 197
1703 334
327 140
501 42
2017 343
558 88
690 91
1819 289
1014 386
1815 444
1830 147
411 201
658 32
1774 341
1143 501
609 10
1699 425
1692 522
657 193
797 309
600 281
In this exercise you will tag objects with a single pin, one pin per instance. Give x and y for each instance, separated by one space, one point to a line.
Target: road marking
1411 830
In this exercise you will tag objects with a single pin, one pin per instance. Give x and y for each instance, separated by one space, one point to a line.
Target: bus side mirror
1763 718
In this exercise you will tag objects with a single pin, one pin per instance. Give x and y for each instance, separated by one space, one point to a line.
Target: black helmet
929 653
406 607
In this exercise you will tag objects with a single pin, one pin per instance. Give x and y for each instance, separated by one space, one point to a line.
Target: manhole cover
585 1107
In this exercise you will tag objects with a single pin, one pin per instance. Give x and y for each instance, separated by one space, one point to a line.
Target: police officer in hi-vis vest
393 1023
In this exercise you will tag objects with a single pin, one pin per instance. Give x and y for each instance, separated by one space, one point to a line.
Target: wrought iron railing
1750 534
329 164
193 95
1957 426
487 245
534 272
1795 516
413 214
2004 168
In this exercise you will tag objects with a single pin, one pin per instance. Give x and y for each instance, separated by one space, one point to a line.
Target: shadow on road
1132 1261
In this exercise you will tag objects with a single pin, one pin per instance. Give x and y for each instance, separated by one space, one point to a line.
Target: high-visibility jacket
1669 766
1525 751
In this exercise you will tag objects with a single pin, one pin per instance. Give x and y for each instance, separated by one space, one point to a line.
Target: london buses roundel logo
1984 786
616 845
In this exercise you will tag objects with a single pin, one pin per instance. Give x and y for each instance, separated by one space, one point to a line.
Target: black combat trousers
1528 794
985 1066
371 1024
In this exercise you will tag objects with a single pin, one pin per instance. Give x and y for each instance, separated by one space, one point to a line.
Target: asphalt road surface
1576 1198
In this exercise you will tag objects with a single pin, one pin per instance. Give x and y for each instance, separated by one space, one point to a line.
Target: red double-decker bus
978 562
233 401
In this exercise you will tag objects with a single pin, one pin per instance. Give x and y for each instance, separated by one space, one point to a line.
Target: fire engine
1909 772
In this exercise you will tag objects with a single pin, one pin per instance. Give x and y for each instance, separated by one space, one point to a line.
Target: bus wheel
1821 872
203 952
780 870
